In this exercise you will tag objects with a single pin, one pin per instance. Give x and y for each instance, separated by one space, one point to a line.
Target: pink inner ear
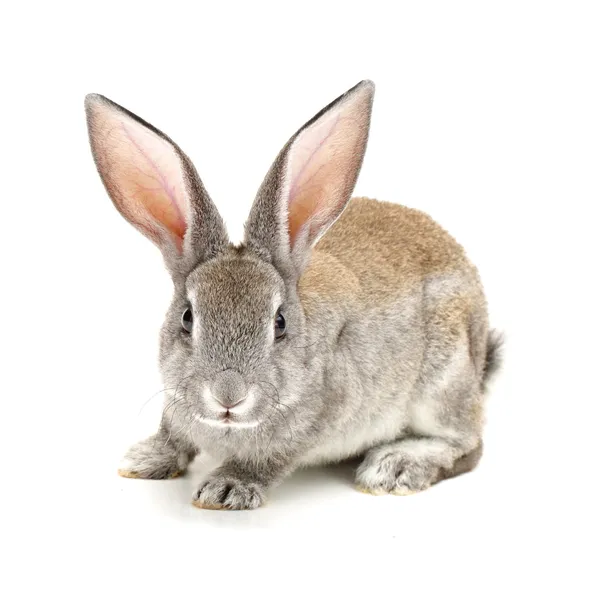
144 176
323 163
161 201
309 156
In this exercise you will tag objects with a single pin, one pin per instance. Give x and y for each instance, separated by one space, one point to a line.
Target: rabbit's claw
226 493
153 459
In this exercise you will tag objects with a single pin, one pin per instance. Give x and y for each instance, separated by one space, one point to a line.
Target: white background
486 117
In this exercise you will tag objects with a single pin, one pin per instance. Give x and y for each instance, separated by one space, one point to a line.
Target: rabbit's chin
228 423
217 437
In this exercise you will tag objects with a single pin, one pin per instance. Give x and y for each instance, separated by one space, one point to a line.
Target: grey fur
493 355
386 354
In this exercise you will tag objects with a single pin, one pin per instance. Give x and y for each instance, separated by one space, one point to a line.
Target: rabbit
338 329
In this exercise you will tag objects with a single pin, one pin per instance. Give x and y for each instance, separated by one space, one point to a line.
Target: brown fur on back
379 251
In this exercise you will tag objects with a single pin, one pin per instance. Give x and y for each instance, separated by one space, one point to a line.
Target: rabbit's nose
228 388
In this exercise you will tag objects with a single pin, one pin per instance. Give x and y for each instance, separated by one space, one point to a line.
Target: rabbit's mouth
227 410
227 420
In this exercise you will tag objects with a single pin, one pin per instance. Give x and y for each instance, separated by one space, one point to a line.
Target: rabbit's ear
311 181
153 184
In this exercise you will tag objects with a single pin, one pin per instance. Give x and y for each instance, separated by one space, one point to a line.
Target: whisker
279 411
273 433
276 404
176 407
152 397
175 399
292 338
187 427
170 427
174 402
279 402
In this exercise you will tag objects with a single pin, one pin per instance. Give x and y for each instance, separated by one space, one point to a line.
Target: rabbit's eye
187 320
280 327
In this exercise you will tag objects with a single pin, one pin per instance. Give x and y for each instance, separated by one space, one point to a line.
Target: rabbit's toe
134 472
226 493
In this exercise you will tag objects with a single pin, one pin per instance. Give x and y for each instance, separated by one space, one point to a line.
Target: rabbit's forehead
235 286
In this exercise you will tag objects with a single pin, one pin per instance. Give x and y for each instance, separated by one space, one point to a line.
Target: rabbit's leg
157 457
412 465
445 425
446 416
446 441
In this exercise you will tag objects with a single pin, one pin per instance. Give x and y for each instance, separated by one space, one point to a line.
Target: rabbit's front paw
153 459
221 492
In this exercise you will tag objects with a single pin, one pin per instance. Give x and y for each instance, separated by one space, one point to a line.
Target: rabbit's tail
493 356
492 364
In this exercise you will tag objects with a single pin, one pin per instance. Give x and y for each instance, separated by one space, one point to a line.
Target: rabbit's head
234 352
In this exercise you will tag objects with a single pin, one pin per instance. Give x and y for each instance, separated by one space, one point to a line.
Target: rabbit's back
389 249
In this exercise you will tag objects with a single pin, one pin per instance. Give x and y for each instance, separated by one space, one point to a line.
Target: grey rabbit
338 329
